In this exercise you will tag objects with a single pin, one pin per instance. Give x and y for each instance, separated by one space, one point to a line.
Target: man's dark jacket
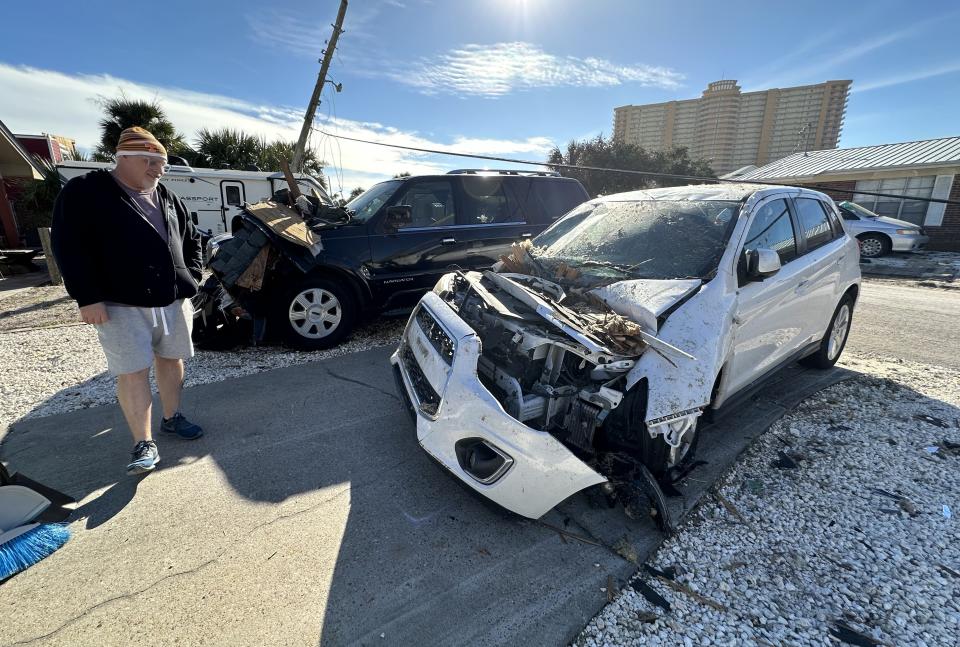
107 250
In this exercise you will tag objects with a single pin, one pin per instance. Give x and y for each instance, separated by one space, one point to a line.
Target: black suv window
814 222
772 229
486 201
365 205
432 202
556 196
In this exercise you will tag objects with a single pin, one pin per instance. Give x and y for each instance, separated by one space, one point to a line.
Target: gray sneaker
145 457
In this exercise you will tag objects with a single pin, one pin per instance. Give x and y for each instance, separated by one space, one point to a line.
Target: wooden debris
516 260
286 223
563 533
729 506
949 571
686 590
252 277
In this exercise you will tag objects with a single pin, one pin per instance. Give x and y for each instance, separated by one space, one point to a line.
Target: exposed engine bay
554 355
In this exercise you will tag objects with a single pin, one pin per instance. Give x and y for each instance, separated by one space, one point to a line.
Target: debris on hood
287 223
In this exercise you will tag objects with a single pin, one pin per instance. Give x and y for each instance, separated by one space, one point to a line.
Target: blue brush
22 547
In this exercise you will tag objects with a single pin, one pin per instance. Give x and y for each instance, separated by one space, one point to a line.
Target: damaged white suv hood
644 300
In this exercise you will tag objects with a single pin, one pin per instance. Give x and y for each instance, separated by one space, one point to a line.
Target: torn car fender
702 327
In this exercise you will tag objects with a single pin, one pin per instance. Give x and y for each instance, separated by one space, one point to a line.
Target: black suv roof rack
502 171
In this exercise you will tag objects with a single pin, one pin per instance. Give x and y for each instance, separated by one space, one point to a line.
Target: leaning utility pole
315 99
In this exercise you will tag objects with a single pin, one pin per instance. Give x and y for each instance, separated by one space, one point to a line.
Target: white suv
605 341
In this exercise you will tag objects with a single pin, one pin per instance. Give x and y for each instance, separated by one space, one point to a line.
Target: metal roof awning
14 160
904 155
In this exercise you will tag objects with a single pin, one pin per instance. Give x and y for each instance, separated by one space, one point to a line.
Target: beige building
732 129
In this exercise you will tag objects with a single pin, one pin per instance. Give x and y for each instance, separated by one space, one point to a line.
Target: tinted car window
369 202
557 197
432 202
814 222
486 202
834 219
772 229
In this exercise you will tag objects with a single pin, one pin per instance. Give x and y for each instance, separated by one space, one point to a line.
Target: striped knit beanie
138 141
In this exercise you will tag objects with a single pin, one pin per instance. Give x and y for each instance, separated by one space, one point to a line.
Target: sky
511 78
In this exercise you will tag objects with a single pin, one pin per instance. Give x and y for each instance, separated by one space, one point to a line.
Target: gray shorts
131 336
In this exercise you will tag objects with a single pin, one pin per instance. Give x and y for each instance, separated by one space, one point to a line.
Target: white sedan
598 349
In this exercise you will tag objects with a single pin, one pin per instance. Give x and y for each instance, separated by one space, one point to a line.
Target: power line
652 174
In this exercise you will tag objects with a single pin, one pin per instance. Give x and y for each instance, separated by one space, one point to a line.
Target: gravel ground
860 532
60 367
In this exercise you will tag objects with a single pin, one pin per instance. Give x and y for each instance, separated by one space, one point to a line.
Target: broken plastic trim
427 399
439 338
674 427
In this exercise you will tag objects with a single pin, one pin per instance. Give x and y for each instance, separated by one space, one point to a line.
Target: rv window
233 195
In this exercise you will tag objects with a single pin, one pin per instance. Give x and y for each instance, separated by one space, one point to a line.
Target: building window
914 211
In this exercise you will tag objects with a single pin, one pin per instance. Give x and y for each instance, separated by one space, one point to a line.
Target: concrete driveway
308 515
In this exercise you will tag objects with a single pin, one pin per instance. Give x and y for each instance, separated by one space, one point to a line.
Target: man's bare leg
169 374
133 392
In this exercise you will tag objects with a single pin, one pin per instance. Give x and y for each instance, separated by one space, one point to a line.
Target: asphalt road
912 323
308 515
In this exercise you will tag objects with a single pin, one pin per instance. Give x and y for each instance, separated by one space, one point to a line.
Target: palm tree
34 204
271 154
227 148
122 113
231 148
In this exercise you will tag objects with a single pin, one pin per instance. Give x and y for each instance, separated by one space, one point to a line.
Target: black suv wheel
315 313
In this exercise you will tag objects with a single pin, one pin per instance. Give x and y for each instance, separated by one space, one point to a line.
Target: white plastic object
19 505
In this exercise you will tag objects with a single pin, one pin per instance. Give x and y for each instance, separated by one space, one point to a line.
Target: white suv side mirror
761 263
768 262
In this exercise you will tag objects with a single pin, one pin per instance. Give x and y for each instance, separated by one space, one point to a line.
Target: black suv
403 235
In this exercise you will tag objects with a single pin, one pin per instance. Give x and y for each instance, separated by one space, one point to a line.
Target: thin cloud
37 100
499 69
876 84
832 61
301 35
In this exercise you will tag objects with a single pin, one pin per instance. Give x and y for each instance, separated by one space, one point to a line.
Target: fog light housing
483 461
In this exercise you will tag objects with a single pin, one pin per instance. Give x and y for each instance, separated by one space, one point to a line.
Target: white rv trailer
214 196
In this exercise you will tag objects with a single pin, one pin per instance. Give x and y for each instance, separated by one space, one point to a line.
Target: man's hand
95 313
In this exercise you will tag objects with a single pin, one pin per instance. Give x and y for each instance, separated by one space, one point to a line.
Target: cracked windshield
651 239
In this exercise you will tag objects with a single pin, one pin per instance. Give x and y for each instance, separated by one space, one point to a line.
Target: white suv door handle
449 241
526 235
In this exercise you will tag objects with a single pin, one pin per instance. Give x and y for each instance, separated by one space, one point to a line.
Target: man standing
131 258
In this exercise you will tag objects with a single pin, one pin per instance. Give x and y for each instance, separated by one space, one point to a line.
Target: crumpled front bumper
451 404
